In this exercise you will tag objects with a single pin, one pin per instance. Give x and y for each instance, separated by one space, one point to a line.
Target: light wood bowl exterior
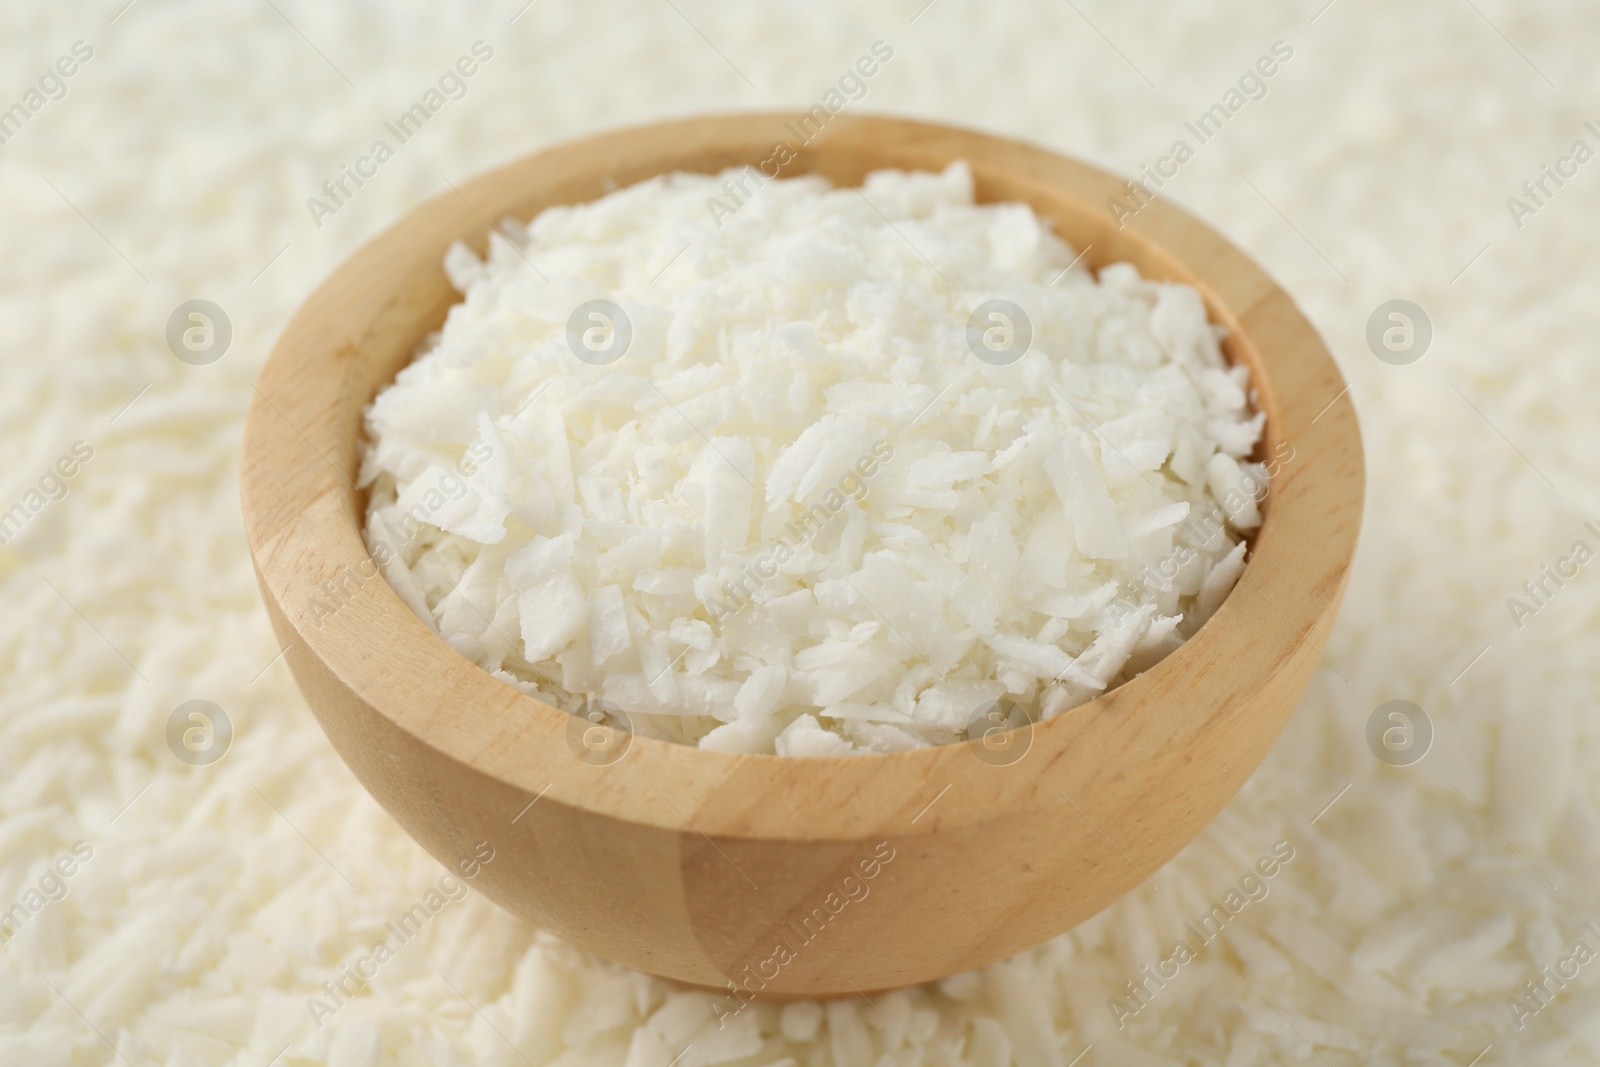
698 865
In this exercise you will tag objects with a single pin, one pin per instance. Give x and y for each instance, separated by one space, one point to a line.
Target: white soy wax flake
842 475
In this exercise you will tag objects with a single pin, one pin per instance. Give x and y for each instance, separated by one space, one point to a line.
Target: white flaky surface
222 897
796 510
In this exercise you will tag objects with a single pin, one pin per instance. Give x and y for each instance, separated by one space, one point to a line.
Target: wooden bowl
787 876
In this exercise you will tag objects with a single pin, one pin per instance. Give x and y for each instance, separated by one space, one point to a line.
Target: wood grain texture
699 865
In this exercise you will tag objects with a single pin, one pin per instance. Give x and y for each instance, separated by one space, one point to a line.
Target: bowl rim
303 514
